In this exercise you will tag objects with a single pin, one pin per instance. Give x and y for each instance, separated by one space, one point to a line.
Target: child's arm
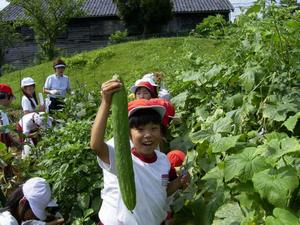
98 130
182 181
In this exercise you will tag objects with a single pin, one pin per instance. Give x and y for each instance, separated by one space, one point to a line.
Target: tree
145 16
8 36
155 13
48 19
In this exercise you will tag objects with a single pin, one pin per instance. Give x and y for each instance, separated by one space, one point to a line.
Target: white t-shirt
26 105
151 180
55 82
27 123
4 122
7 219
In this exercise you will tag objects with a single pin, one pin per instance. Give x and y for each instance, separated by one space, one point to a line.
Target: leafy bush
212 26
118 37
81 60
7 68
244 135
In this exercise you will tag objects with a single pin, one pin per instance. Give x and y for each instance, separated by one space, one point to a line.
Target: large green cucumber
124 166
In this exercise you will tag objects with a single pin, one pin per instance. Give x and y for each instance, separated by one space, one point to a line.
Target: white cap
27 81
144 82
149 76
38 119
37 191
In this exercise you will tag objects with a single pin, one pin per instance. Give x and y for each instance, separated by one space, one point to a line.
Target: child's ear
22 202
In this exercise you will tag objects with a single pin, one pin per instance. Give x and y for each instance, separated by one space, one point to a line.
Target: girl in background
29 100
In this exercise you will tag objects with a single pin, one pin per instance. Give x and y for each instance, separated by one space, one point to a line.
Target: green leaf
179 100
244 165
200 136
88 212
248 78
83 200
229 213
272 112
224 144
291 122
282 216
278 148
276 185
223 125
214 71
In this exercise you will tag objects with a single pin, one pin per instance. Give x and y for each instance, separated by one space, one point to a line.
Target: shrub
212 26
118 37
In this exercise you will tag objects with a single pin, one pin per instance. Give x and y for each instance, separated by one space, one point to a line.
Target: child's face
29 90
146 138
7 101
142 93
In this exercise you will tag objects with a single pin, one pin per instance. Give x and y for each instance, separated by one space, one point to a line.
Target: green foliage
211 26
83 59
144 15
48 19
118 37
7 68
65 159
245 109
8 36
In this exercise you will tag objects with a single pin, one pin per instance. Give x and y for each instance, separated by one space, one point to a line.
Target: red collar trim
144 158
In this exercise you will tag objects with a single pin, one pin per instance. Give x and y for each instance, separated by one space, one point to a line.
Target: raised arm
181 182
98 130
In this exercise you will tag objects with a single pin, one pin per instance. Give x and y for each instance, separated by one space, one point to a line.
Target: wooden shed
101 19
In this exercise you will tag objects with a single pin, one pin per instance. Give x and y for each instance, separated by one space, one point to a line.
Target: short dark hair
144 116
57 62
3 95
12 204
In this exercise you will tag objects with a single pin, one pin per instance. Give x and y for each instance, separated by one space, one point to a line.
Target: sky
3 3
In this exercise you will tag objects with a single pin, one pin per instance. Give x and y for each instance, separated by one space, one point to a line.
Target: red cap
135 105
150 85
176 157
6 89
170 110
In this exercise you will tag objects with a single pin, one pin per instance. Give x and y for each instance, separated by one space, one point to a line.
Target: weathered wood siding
85 34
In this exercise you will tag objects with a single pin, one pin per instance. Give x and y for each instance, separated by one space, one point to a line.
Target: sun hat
176 158
4 88
147 83
37 191
138 104
27 81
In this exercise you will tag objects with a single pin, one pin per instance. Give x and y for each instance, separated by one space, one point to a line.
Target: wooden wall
90 33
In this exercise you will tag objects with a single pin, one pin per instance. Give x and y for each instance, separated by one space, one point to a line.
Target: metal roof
103 8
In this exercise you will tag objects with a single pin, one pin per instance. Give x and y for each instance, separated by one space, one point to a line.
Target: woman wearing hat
57 85
27 205
29 101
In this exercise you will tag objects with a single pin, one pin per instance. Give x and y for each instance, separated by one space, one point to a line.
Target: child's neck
148 158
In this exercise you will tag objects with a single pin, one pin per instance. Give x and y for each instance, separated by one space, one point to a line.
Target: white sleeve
26 106
111 167
7 219
165 94
48 83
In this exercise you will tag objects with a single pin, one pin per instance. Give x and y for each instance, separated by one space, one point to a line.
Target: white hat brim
158 108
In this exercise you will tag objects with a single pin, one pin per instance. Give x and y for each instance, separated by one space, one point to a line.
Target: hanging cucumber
124 166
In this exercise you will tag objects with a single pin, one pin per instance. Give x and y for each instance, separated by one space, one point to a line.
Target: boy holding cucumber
151 167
